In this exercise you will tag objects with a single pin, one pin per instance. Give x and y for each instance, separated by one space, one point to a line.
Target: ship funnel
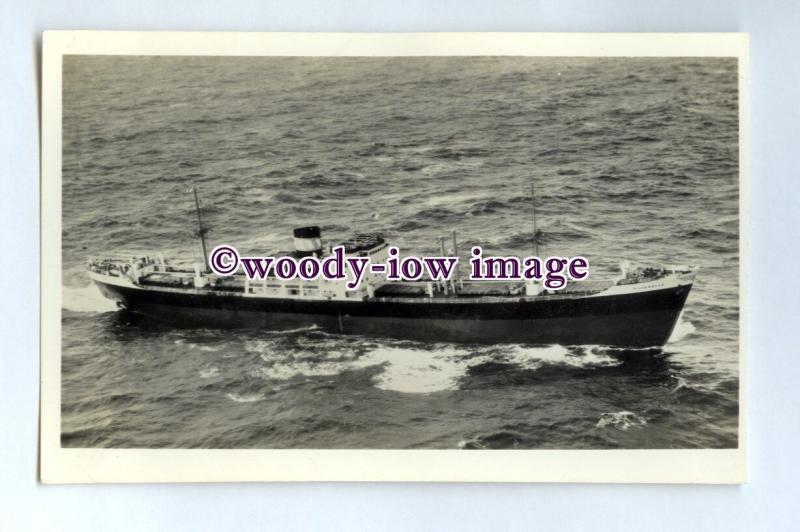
307 241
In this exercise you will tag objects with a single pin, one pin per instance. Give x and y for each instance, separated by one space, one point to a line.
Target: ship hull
642 319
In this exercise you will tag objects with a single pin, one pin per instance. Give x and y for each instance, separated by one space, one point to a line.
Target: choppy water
633 159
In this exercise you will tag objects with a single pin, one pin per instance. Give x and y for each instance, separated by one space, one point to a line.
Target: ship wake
412 368
85 299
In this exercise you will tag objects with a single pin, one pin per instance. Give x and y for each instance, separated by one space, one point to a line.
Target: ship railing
647 274
143 263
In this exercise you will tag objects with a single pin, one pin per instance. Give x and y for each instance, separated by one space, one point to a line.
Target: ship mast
201 230
533 219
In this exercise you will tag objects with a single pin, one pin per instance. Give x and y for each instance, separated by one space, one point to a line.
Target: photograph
473 253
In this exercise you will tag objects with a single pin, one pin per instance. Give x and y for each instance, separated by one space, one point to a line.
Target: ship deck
235 284
477 289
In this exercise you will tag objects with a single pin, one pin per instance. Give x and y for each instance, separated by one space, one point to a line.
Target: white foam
418 371
289 369
474 443
682 383
297 330
622 420
86 299
415 370
682 329
209 373
536 357
423 371
405 370
245 398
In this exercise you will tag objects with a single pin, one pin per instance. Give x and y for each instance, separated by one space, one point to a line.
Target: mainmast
533 219
201 230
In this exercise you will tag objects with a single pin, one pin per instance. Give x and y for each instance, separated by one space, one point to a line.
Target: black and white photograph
624 170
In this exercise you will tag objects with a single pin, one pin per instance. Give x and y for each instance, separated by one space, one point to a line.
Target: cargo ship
637 310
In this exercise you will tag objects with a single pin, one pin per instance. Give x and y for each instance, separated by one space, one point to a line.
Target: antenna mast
533 217
201 230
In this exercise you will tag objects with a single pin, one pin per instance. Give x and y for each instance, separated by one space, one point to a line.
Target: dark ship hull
633 319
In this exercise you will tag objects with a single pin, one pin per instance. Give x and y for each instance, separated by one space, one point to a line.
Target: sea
634 162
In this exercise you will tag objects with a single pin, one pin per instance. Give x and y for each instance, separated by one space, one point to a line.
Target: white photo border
71 465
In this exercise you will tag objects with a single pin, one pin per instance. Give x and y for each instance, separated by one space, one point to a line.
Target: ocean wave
376 148
459 153
557 151
680 383
575 227
441 170
497 440
486 207
435 214
408 226
247 398
454 198
209 373
622 420
713 233
317 179
568 172
695 393
638 139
